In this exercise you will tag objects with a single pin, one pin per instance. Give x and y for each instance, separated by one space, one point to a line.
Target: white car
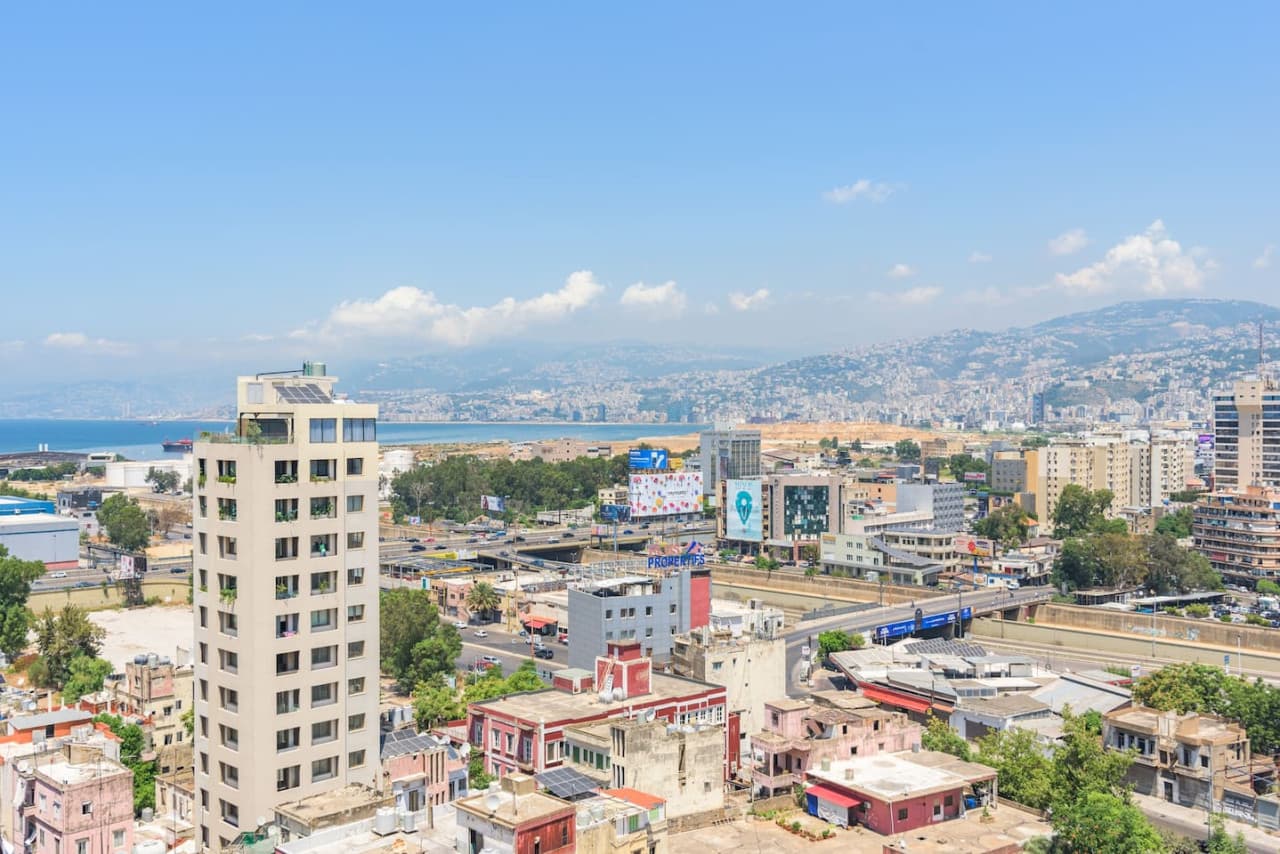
459 624
480 633
58 574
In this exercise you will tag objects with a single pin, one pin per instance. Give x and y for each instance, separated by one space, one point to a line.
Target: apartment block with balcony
1186 758
77 800
1246 435
285 602
1239 532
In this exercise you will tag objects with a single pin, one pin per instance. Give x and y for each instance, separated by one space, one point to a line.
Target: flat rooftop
64 773
513 809
552 705
338 804
894 776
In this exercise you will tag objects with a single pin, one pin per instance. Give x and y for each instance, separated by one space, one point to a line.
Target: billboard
974 546
804 510
975 476
493 503
648 458
615 512
742 515
665 494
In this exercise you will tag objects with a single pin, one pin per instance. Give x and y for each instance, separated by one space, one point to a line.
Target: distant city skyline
248 189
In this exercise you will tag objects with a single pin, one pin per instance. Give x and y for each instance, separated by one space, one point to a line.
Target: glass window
359 430
355 723
355 539
355 759
355 503
324 429
355 613
355 466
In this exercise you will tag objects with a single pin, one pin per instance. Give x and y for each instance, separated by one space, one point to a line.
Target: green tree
132 744
483 600
1221 842
856 446
1203 688
1082 765
1026 772
189 721
1080 510
1100 822
939 735
125 523
162 480
1267 587
415 644
16 576
63 637
907 451
1006 525
524 678
835 640
961 464
435 703
1176 524
85 676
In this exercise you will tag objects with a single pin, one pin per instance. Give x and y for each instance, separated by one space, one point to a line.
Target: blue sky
242 184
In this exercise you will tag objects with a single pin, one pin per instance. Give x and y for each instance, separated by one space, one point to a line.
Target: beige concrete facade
286 603
752 669
682 765
1246 421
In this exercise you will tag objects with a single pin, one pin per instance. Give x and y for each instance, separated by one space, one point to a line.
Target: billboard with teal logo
742 517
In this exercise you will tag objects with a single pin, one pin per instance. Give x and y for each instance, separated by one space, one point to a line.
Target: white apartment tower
285 602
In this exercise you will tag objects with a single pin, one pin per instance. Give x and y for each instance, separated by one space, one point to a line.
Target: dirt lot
161 629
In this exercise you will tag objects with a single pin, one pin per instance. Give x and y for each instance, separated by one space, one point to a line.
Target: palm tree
483 600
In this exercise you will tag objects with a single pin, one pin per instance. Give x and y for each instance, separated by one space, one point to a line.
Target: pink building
421 769
831 725
77 801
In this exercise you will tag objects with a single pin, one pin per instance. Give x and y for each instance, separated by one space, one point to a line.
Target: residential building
176 799
513 816
682 765
1009 472
158 691
648 609
1178 757
829 725
1246 435
621 821
943 501
616 494
1239 532
799 508
893 793
753 618
869 557
726 453
526 732
751 666
285 601
75 798
421 769
975 717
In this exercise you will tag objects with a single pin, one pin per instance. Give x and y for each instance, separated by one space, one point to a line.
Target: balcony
762 779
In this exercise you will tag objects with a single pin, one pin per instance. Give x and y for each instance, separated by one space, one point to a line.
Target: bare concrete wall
1175 628
820 586
1137 647
96 598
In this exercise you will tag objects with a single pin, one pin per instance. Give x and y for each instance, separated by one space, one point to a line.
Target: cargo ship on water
183 445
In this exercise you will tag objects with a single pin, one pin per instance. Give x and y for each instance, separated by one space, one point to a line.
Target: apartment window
648 610
902 814
324 508
230 813
227 548
227 624
229 736
355 575
608 613
286 509
86 808
323 582
355 539
286 662
355 759
228 661
323 470
648 632
288 778
286 625
355 613
355 503
204 578
324 620
323 545
117 838
323 731
204 617
324 769
229 699
227 509
323 656
286 548
204 690
323 695
82 846
229 774
324 429
287 739
355 466
286 586
355 649
671 608
203 505
204 727
204 543
355 686
359 430
355 723
287 701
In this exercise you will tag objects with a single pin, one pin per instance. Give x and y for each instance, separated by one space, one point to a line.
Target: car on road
520 538
553 539
628 532
417 547
543 652
58 574
480 633
490 660
177 570
459 624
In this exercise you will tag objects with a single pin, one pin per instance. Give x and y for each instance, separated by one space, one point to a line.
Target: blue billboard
906 627
615 512
648 458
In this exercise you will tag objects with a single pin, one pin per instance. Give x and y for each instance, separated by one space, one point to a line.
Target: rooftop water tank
409 821
384 821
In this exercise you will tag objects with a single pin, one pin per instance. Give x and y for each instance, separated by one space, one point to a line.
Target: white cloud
921 295
739 301
1151 262
984 296
1263 261
665 296
863 188
1068 242
408 312
85 344
976 257
900 271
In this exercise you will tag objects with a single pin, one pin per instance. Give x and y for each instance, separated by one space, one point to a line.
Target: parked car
480 633
177 570
58 574
543 652
628 532
459 624
490 659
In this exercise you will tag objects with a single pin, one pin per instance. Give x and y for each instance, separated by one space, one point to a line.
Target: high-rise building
944 500
1246 435
725 454
1238 530
285 602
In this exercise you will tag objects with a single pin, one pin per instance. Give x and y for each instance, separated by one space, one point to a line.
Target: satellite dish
492 802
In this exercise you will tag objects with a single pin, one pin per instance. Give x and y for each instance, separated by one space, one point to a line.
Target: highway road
806 633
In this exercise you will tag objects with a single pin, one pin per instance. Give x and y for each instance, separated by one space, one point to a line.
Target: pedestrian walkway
1193 822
